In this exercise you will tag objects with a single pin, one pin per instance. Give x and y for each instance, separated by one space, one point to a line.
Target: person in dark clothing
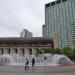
26 64
33 62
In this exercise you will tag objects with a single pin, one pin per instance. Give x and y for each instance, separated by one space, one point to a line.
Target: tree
39 51
73 53
68 51
47 50
57 51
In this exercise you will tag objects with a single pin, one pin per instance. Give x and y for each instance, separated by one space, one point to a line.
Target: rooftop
23 40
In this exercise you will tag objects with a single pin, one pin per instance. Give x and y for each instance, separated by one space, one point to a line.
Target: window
52 3
47 5
58 1
64 0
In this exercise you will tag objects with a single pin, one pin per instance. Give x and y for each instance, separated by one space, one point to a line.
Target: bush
68 51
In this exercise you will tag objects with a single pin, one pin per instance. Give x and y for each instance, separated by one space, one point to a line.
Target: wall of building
25 33
24 46
18 50
60 19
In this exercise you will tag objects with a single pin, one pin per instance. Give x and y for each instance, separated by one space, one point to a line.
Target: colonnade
18 50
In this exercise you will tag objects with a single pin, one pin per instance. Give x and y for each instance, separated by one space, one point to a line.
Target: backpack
27 62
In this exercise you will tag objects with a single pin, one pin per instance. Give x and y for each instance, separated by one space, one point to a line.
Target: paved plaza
39 70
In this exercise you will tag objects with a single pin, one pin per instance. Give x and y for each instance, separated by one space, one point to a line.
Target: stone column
20 51
6 51
23 51
27 51
33 51
1 51
12 50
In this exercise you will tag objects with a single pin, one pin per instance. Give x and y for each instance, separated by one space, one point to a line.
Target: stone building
24 46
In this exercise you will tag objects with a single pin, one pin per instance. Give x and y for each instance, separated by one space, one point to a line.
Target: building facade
24 46
44 30
60 21
25 33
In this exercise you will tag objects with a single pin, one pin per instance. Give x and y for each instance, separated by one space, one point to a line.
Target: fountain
15 59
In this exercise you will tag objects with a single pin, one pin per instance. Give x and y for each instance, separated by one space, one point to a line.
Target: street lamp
45 58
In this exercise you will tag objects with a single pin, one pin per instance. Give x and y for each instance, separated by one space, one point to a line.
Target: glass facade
25 33
60 19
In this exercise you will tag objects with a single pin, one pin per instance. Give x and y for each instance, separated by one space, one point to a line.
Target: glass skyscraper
60 21
25 33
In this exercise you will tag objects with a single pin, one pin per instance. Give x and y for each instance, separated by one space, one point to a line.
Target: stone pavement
39 70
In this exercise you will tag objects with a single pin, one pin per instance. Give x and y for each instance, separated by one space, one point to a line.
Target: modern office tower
25 33
44 30
60 21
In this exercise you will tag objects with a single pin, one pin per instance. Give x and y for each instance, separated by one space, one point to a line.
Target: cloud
18 14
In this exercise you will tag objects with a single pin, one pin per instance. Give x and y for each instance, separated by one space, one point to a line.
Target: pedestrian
33 62
26 64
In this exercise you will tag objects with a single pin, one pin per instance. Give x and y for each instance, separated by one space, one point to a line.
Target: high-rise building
60 21
25 33
44 31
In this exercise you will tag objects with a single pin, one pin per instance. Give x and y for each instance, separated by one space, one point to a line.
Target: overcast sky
18 14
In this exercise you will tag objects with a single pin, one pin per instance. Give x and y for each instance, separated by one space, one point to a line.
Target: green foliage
44 50
47 50
68 51
39 51
57 51
73 53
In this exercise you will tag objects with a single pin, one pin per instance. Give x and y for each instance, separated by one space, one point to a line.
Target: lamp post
45 58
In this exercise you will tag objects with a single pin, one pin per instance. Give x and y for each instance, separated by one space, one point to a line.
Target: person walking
33 62
26 64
